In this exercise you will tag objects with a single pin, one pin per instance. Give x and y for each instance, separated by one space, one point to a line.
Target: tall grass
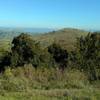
27 77
45 84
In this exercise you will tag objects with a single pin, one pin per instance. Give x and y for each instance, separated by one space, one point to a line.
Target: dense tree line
25 50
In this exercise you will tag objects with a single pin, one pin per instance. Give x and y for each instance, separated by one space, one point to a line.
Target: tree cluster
25 50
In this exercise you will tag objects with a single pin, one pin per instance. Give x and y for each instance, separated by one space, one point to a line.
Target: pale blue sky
50 13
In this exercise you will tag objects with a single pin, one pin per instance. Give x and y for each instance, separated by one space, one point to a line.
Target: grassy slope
65 37
53 95
26 83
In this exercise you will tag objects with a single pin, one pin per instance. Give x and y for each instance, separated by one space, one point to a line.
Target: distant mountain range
7 32
30 30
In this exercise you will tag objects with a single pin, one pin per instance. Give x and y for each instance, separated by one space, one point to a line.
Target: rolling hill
65 37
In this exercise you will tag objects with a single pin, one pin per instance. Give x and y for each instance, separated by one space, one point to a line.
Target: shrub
59 55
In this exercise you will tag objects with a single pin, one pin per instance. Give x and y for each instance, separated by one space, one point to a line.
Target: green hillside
31 71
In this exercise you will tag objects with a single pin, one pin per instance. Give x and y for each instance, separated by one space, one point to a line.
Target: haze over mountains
36 30
11 32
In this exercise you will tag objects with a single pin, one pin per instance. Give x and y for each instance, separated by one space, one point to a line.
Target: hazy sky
50 13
